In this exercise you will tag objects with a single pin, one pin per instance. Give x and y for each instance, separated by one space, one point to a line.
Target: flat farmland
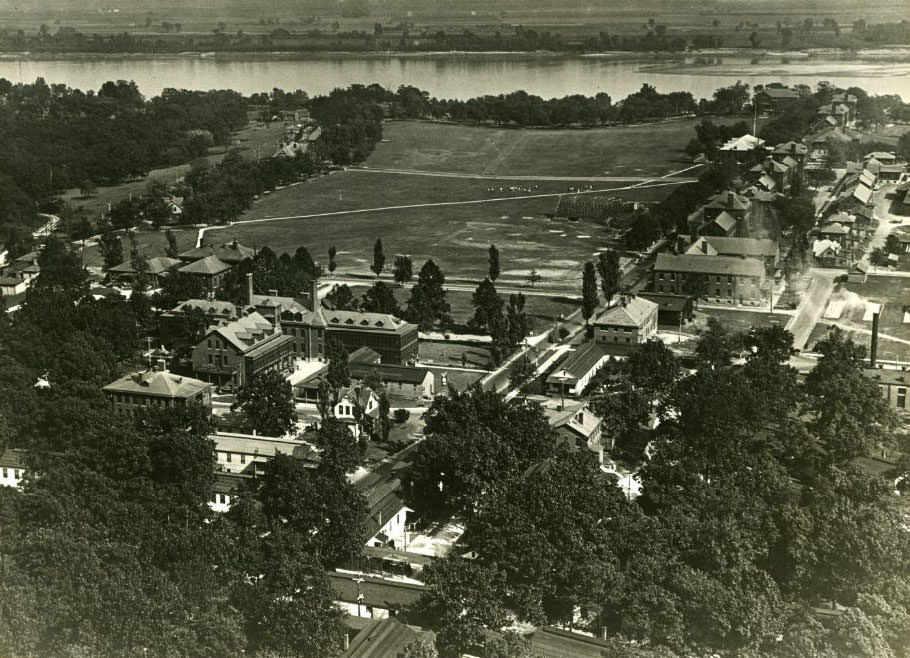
646 150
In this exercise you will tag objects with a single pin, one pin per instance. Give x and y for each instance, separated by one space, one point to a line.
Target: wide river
464 75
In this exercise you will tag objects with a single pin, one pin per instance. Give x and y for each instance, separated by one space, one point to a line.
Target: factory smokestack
873 348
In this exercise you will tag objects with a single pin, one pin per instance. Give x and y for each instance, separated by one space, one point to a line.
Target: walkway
505 177
812 306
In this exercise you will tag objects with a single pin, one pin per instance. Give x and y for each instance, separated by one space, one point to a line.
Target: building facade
724 278
622 327
156 389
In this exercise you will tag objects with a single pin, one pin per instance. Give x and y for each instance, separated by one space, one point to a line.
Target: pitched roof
767 182
292 309
729 201
263 446
834 228
794 148
580 362
829 133
383 503
881 156
888 376
364 355
244 332
208 266
580 421
862 193
156 265
229 252
744 143
12 458
728 265
633 313
724 246
158 383
215 307
725 221
668 301
819 247
384 638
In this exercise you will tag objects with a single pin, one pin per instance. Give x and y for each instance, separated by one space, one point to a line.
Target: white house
12 468
357 405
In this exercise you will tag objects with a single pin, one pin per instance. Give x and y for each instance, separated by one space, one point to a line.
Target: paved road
494 177
812 306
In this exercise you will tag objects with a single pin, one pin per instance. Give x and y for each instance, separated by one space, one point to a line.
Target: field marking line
527 178
440 204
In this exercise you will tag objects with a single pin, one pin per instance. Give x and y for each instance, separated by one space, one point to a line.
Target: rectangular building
724 278
623 326
156 389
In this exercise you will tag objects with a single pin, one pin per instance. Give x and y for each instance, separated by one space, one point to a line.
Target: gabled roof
383 503
292 309
388 372
819 247
385 638
157 383
358 395
156 265
881 156
631 313
12 458
230 252
581 421
364 355
214 307
208 266
835 134
790 162
862 193
767 182
262 446
888 376
834 228
793 148
667 300
244 332
726 221
551 642
580 362
844 98
729 201
728 265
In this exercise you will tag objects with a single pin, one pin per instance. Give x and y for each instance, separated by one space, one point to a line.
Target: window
242 458
210 359
902 398
729 279
717 292
717 279
661 276
628 340
227 457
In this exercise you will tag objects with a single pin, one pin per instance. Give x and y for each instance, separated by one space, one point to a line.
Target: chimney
730 198
873 349
249 288
278 311
704 246
161 365
314 295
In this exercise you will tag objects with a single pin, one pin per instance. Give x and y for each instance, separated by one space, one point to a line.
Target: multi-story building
623 326
894 385
232 354
763 249
300 317
725 278
396 341
156 389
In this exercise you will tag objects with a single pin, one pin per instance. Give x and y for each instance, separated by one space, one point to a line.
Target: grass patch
449 353
738 321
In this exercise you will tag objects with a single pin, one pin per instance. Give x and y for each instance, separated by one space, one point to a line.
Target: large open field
453 219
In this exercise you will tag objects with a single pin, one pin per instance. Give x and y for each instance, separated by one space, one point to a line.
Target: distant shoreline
883 52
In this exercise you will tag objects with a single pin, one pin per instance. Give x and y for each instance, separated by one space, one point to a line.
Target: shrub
401 415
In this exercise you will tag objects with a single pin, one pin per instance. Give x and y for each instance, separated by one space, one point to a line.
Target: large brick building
156 389
232 354
625 325
725 278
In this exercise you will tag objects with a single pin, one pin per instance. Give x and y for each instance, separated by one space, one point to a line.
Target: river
464 75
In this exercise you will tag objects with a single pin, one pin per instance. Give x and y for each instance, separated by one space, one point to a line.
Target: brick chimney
249 288
873 348
314 295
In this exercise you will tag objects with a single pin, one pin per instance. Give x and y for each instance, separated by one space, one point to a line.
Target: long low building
724 278
574 373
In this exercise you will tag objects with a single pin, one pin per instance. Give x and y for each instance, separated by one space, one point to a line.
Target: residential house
829 253
891 173
893 385
723 278
797 151
387 517
158 267
225 488
579 428
156 389
839 233
14 284
818 142
371 597
175 206
763 249
849 100
572 376
838 112
379 638
741 149
882 156
12 467
858 273
211 270
623 326
232 354
721 215
672 310
358 408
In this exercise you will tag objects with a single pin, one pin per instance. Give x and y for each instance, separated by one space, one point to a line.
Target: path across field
455 174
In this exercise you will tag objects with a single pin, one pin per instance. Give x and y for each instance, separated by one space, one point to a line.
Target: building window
242 458
717 279
227 457
902 398
210 343
729 279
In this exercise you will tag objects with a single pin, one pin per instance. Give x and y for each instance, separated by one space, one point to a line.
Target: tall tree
403 269
341 298
111 249
378 258
588 291
487 305
427 305
380 299
610 274
267 401
332 253
494 263
339 452
172 249
339 374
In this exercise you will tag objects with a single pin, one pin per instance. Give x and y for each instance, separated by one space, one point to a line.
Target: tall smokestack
249 288
873 349
314 295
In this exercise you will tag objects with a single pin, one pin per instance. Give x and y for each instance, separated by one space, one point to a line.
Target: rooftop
888 376
388 372
745 143
384 638
628 313
214 307
12 458
392 595
209 266
246 331
263 446
580 362
667 300
380 322
364 355
550 642
724 246
156 265
158 383
230 252
781 92
728 265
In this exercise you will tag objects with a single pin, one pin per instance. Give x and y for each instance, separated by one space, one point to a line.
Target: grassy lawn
737 321
449 353
151 243
620 151
891 291
542 312
460 379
